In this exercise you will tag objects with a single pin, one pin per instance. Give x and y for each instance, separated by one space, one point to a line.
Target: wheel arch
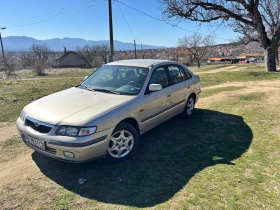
133 122
193 95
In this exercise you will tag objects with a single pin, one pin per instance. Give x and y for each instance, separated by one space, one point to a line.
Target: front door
157 103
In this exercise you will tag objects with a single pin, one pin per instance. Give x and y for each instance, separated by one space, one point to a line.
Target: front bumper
83 148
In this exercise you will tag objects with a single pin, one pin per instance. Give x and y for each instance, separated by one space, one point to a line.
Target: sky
88 19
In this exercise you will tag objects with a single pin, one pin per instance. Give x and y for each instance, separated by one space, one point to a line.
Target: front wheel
189 108
123 143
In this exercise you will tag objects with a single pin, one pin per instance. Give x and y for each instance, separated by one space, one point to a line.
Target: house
214 59
70 59
230 60
183 56
247 56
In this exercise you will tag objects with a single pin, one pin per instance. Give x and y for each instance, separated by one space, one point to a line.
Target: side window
175 74
159 77
187 73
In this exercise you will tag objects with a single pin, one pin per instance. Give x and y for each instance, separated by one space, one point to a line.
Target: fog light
69 154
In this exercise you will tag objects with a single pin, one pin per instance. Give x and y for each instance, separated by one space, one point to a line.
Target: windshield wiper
82 86
106 91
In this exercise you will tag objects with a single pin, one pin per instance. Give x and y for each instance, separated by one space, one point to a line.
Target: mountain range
23 43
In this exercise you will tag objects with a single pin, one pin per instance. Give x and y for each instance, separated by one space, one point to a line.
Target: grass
224 157
208 67
11 148
252 96
51 73
16 94
237 76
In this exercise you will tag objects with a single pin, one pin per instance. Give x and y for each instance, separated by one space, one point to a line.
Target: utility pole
111 56
142 51
4 61
135 50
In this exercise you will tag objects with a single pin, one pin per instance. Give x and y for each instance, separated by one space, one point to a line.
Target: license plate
33 141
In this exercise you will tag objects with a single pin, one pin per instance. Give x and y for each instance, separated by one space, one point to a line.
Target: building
183 56
70 59
247 56
230 60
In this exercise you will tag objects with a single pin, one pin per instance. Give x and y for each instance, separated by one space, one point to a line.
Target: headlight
75 131
22 115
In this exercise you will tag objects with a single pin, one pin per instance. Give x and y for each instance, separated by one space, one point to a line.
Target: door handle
169 94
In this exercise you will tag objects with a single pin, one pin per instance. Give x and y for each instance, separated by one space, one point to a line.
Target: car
105 115
252 60
243 62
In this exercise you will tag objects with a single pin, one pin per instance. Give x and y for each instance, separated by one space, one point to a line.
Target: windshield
127 80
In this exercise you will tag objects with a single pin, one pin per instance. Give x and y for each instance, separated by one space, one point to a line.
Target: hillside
23 43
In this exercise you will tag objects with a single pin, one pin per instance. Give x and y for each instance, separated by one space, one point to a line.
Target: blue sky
88 19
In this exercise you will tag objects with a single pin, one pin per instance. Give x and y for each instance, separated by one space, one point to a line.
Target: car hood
73 106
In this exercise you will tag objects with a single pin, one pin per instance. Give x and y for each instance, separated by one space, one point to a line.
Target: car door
180 88
157 103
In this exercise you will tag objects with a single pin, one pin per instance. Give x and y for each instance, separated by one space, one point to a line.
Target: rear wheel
123 143
189 108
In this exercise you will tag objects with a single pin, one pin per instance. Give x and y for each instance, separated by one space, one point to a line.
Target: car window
175 74
187 73
159 77
126 80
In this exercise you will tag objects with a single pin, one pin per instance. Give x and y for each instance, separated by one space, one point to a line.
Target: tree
64 50
254 17
103 51
41 53
88 53
197 45
37 59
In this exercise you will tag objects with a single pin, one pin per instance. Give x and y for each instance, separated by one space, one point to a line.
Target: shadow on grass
167 158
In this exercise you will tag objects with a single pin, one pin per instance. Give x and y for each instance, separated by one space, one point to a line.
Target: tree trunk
277 55
198 63
269 58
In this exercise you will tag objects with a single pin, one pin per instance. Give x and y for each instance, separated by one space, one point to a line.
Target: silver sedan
105 115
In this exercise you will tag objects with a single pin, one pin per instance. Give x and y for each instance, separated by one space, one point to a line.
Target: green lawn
226 156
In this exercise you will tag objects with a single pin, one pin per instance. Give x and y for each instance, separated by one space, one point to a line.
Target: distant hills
23 43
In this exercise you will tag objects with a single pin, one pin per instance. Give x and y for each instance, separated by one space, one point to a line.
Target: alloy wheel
121 143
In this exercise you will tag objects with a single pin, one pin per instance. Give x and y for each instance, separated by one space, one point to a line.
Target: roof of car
138 62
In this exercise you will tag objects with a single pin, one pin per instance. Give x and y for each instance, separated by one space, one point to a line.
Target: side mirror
155 87
85 78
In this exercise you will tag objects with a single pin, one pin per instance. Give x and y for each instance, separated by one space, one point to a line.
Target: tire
189 108
123 143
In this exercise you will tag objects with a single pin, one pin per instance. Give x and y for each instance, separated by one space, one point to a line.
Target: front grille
41 127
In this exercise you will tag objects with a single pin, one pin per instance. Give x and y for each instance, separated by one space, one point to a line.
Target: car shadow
167 158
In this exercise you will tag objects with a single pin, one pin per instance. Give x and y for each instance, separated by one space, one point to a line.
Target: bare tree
254 15
103 51
27 60
197 45
41 53
37 59
88 53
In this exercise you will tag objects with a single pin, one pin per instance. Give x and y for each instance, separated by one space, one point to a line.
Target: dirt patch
7 131
249 173
271 88
18 169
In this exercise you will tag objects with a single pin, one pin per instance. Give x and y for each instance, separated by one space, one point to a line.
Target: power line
127 23
158 19
55 16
